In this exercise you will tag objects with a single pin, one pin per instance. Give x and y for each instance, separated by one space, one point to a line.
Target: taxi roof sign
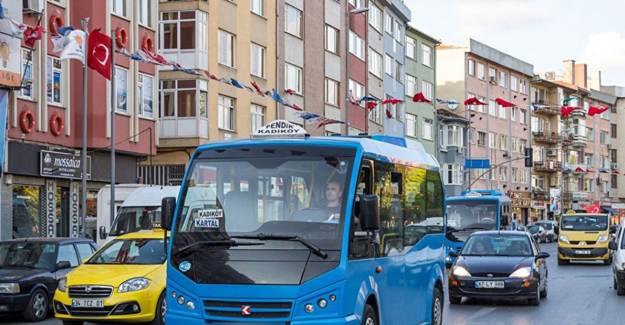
280 128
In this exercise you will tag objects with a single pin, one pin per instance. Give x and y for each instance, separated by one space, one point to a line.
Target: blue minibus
474 210
307 230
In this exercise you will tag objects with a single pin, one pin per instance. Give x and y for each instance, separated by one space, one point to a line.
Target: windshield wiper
313 248
226 242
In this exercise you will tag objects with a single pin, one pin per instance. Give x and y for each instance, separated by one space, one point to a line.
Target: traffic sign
476 164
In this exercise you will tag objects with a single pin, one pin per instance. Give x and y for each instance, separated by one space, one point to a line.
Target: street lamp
348 16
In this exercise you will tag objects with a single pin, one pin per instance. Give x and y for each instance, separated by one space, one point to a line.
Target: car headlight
9 288
602 239
565 239
134 284
522 273
460 271
62 284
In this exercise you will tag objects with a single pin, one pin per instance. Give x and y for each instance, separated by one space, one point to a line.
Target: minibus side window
361 246
387 185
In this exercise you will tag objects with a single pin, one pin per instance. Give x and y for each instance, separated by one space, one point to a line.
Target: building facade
41 183
451 154
497 133
420 119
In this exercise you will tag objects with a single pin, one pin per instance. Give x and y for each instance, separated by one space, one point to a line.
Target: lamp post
348 17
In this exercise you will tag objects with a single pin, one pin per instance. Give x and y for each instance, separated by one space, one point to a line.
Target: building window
55 81
502 112
293 23
613 131
257 53
427 129
513 83
176 24
590 134
121 89
503 142
492 74
480 71
513 114
356 90
375 17
27 68
603 137
453 174
145 94
492 143
332 39
389 66
614 181
145 12
179 98
426 88
26 211
257 114
118 7
293 78
388 23
332 92
375 114
411 125
226 114
523 86
375 63
452 136
471 68
426 53
502 79
226 48
411 85
397 31
522 116
481 139
411 48
356 3
492 108
256 6
356 45
503 173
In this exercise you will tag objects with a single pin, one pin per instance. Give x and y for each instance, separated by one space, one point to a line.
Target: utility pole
83 156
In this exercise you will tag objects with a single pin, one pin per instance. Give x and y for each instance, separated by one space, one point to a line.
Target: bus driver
334 194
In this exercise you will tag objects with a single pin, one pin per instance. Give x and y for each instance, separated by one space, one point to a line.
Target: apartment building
39 198
617 154
497 133
420 119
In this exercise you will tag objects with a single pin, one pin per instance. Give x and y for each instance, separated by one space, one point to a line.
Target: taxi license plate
87 303
489 284
580 252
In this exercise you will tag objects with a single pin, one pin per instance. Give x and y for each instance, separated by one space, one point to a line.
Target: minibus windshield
581 222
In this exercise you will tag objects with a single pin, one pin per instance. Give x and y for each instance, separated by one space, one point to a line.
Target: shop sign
10 46
50 208
74 210
62 165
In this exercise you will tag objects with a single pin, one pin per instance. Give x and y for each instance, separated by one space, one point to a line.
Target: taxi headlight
461 271
62 284
134 284
602 239
522 273
565 239
11 288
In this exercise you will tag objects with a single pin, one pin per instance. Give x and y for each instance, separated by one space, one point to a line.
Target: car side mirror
370 212
454 254
102 232
613 229
612 245
542 255
63 265
168 207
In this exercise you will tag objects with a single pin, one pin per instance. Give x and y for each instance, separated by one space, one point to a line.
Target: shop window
26 221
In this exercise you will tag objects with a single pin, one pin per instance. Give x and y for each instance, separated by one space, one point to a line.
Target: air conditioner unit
552 153
32 5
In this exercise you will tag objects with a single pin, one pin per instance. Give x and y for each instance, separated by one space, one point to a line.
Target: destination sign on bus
280 128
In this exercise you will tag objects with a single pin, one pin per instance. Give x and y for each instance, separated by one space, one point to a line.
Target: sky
540 32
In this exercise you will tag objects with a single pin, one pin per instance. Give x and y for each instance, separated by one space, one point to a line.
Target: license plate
578 252
87 303
489 284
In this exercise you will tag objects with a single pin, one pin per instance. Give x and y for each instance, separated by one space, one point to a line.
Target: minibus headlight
460 271
309 308
565 239
522 273
134 284
602 239
322 303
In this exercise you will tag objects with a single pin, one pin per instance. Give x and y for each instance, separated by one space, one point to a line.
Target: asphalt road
579 294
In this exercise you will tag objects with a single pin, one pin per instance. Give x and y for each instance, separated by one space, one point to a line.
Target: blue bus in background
472 211
307 230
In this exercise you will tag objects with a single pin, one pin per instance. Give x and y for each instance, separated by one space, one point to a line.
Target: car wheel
620 291
370 317
536 300
543 292
38 306
161 310
455 300
437 306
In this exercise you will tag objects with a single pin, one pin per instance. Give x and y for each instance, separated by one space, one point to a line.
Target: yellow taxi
584 237
124 281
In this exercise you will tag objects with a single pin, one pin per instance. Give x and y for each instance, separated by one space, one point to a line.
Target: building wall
375 84
395 48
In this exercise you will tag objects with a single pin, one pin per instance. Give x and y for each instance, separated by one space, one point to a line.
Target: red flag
389 114
295 107
420 98
257 88
32 34
290 91
592 110
100 52
371 105
473 101
504 103
392 101
565 111
592 208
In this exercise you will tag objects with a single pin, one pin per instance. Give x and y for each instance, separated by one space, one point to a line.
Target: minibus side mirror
168 206
613 229
103 233
370 212
612 245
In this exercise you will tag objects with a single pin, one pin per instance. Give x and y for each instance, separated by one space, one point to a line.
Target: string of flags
15 29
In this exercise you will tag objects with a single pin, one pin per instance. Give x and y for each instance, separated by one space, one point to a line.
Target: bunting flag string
15 29
473 101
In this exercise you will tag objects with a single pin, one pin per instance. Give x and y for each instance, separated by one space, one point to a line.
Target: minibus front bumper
183 318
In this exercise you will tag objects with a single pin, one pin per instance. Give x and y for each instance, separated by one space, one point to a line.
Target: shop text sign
62 165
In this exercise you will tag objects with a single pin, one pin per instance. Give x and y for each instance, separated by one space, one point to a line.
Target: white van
103 218
139 211
617 245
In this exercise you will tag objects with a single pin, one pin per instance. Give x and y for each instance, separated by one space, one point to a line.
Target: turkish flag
473 101
100 53
592 110
420 98
504 103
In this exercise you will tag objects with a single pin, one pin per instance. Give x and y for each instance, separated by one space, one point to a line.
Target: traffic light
529 157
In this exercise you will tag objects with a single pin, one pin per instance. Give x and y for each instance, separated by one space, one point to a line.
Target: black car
31 268
499 264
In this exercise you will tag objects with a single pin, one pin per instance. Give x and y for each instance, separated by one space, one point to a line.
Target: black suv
31 268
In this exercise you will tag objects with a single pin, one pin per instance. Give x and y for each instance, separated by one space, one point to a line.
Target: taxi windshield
472 214
584 222
283 191
130 251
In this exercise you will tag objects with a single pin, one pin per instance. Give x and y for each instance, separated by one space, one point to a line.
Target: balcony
540 108
546 138
183 120
577 140
547 166
579 113
540 194
183 38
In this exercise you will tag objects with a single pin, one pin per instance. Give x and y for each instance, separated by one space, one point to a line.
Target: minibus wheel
437 306
370 317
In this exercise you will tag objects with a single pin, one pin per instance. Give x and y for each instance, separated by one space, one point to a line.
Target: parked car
538 233
550 230
499 264
124 281
521 228
617 245
31 268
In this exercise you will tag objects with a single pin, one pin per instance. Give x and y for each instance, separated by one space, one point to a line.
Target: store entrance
62 211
